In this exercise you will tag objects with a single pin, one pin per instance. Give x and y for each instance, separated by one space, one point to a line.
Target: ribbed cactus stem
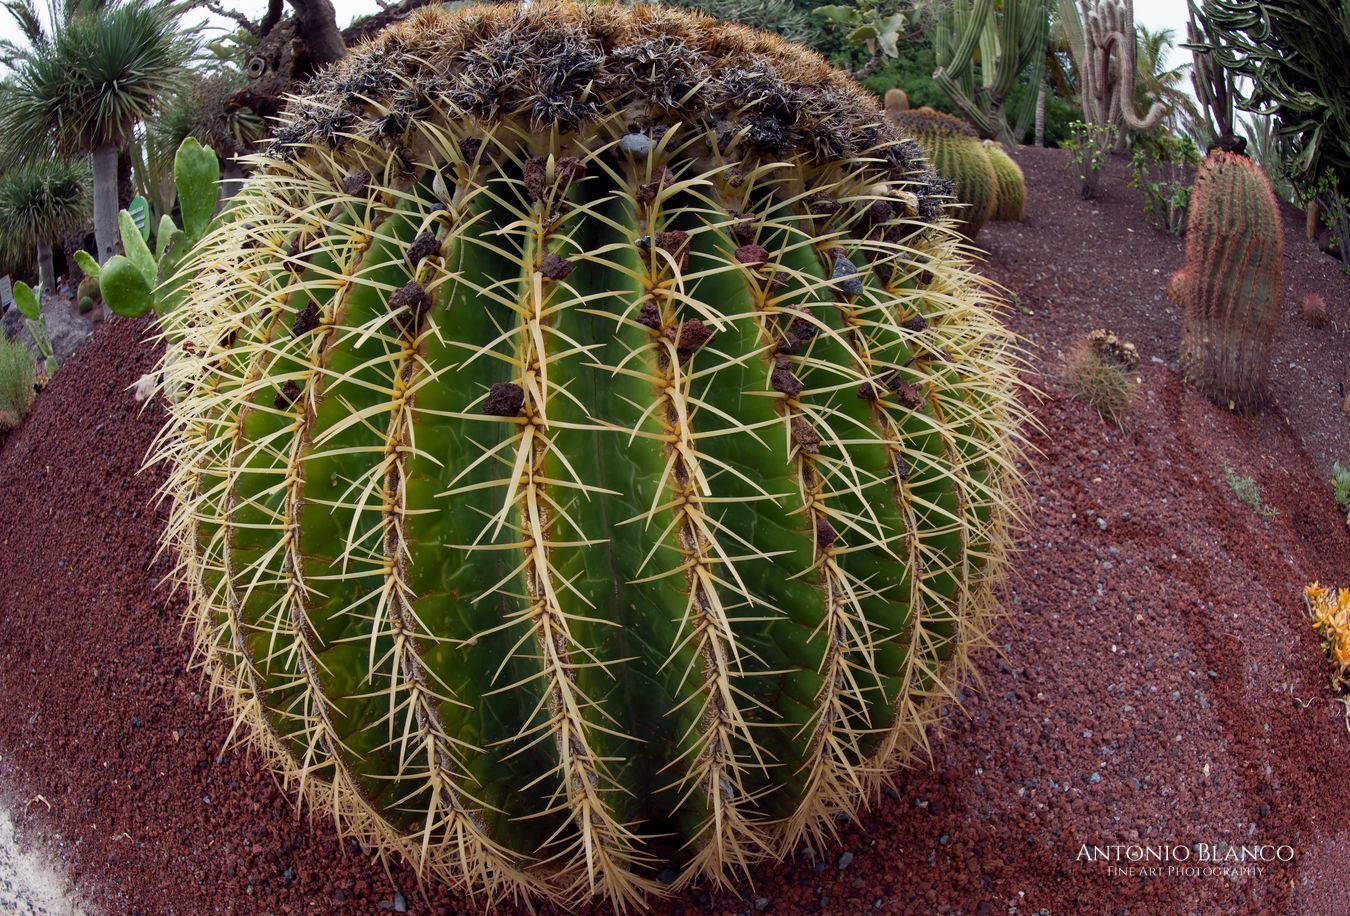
1232 280
611 448
983 48
1010 185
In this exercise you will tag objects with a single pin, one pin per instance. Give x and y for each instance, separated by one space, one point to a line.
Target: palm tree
84 84
1154 80
40 203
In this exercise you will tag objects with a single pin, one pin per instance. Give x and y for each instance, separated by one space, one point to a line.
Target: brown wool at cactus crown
597 457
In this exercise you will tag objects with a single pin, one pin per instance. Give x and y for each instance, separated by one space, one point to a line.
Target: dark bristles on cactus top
1231 283
958 156
589 453
1010 195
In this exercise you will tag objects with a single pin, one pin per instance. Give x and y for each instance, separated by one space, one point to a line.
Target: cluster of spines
272 304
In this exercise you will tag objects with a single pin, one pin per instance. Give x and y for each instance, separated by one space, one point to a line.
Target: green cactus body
1011 187
958 155
603 460
1232 280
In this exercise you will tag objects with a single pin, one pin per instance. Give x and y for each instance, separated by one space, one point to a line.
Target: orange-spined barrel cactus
589 456
1232 281
959 156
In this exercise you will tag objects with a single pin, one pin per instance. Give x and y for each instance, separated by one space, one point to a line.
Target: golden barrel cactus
957 154
1010 199
586 441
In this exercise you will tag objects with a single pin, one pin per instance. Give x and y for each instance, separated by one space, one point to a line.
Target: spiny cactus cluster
956 152
1314 308
1231 283
589 442
1010 201
1097 371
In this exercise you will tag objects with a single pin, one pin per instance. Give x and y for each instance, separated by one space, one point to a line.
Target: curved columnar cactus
587 432
958 155
1010 200
1232 280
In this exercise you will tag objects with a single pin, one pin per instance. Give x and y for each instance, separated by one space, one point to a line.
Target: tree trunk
318 27
1040 113
46 268
231 180
105 205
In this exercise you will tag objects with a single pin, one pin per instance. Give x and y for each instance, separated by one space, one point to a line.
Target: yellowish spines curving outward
589 452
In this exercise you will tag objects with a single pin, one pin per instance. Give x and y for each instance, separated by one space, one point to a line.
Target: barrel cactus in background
958 155
1010 200
592 454
1232 280
895 101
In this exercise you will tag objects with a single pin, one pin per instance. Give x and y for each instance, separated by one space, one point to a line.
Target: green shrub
1159 171
16 383
1248 491
1340 488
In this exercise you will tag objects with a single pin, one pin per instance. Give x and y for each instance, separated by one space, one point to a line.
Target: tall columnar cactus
589 433
1232 281
982 49
1009 182
958 155
1101 37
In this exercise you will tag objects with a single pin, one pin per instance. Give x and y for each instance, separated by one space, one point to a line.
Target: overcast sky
1156 14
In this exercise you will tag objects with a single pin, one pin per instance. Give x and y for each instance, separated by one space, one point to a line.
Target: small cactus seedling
958 155
1010 201
1315 310
140 280
590 433
1232 280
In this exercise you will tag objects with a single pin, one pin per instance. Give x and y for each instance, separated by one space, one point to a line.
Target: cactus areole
589 455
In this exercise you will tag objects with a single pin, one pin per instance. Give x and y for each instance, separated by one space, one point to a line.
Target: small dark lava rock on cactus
529 513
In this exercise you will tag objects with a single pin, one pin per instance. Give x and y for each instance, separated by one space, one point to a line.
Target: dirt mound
1158 686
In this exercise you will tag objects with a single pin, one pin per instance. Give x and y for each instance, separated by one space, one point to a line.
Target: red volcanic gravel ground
1159 683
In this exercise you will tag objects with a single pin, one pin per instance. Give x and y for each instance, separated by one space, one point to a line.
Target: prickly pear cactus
1010 197
958 155
1232 280
587 433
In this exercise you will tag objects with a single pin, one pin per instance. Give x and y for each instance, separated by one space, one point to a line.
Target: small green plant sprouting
1159 170
1248 491
16 382
1340 488
29 302
1087 147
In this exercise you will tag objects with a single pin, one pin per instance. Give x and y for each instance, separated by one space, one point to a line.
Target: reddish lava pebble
1157 682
